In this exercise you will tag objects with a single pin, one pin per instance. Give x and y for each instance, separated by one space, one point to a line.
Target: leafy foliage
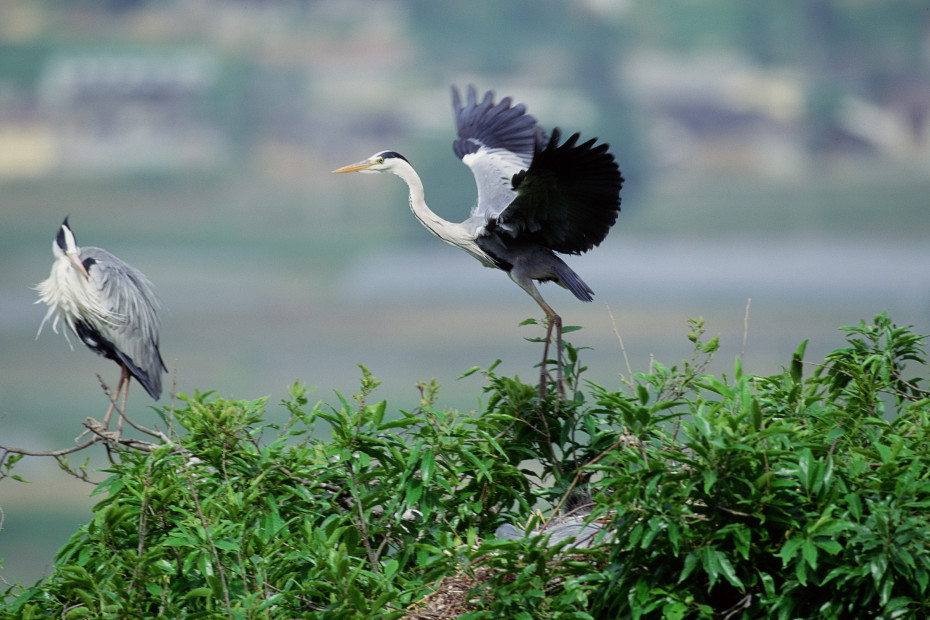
778 497
787 496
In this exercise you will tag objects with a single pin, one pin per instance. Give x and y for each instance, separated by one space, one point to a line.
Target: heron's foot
100 431
91 426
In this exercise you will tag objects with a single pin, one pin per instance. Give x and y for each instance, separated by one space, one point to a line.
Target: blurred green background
776 150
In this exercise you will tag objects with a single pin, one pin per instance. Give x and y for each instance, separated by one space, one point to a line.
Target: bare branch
8 450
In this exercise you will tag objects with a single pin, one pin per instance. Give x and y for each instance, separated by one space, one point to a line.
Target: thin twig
743 603
624 439
626 359
143 523
148 431
549 441
366 541
206 531
746 326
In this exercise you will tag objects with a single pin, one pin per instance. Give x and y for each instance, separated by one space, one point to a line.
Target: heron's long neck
444 229
71 296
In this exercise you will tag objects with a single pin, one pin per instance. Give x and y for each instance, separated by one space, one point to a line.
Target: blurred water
250 327
249 324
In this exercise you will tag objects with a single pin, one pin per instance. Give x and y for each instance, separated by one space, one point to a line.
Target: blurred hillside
776 150
770 88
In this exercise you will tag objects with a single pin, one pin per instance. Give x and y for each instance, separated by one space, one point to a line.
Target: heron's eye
380 160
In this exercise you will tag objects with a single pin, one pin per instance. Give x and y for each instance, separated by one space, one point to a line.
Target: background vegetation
797 495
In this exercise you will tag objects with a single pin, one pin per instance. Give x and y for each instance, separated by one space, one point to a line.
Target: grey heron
110 306
536 196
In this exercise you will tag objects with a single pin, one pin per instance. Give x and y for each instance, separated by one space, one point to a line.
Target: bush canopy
799 495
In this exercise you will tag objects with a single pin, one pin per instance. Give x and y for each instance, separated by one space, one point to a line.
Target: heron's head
385 161
65 246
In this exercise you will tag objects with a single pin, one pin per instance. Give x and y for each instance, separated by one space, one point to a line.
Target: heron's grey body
110 305
536 196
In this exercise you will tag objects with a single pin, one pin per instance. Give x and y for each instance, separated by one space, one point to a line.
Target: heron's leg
553 321
113 400
123 383
122 410
543 375
556 320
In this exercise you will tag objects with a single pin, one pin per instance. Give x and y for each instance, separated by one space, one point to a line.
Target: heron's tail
150 377
573 282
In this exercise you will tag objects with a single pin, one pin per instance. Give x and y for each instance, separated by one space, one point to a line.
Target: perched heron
536 197
110 306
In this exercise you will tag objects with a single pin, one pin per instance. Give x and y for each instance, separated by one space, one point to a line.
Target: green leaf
726 568
201 592
413 493
710 479
674 611
830 546
229 545
710 561
691 561
477 463
470 372
768 584
878 567
789 550
390 569
426 469
805 467
809 553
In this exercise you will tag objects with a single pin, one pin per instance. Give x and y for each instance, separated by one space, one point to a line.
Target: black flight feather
568 198
499 126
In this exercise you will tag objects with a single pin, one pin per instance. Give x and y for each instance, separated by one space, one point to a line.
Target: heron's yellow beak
78 264
356 167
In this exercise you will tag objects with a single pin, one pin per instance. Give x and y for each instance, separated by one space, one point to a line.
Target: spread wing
496 141
567 199
131 326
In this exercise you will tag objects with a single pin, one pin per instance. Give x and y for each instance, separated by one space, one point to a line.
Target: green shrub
799 495
777 497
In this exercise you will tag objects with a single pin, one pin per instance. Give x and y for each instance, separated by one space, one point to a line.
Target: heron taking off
110 306
537 196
